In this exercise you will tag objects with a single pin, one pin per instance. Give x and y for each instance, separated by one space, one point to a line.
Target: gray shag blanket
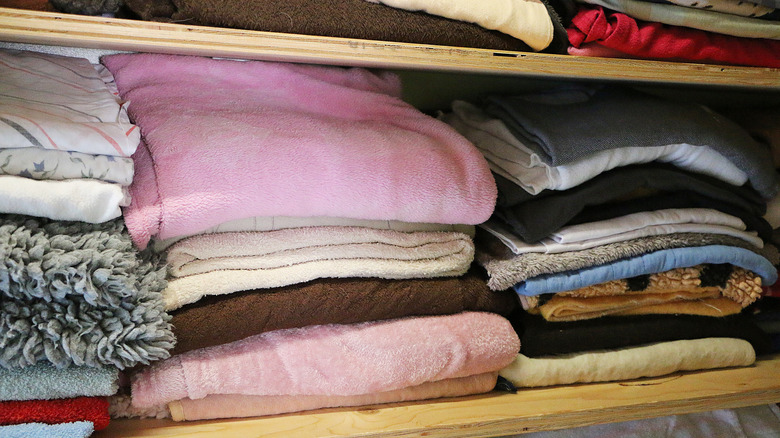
73 293
506 269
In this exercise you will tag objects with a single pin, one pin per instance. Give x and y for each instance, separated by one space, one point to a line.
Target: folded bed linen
47 164
273 223
45 382
78 294
212 319
508 156
318 141
238 406
350 359
710 21
84 200
595 29
733 7
650 263
75 429
537 218
60 103
539 337
92 409
630 363
223 263
334 18
528 21
506 269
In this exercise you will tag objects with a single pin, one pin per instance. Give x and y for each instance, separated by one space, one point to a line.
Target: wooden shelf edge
497 414
35 27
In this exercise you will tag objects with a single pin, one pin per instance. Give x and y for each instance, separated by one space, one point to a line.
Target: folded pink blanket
228 139
239 406
350 359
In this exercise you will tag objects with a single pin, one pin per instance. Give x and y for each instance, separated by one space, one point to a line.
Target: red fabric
773 290
659 41
94 409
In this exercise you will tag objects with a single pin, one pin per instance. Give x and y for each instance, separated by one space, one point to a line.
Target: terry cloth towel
84 200
615 31
120 406
217 264
46 164
76 429
319 141
92 409
78 294
539 217
212 320
649 263
526 20
238 406
506 269
556 123
334 359
335 18
539 337
705 20
510 158
259 223
630 363
62 103
44 382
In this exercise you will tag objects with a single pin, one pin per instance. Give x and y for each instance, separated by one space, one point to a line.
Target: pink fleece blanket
334 359
226 140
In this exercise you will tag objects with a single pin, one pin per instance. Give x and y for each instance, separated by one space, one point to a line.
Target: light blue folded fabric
45 382
78 429
650 263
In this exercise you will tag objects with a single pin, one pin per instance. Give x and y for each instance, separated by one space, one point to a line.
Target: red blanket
94 409
659 41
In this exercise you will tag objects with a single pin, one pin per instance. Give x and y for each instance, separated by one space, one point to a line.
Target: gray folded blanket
73 293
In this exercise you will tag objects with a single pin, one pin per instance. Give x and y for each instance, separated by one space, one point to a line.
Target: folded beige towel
222 263
630 363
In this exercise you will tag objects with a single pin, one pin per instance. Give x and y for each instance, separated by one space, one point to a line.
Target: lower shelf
497 414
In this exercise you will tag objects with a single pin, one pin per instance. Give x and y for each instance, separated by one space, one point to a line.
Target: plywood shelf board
121 34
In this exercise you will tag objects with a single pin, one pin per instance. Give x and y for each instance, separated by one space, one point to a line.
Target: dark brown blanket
335 18
216 320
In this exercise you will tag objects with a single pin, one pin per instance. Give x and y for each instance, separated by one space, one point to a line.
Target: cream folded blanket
222 263
334 359
630 363
239 406
526 20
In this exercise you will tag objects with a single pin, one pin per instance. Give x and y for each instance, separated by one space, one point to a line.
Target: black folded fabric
539 337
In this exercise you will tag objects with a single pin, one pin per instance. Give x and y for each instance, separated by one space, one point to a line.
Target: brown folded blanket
216 320
334 18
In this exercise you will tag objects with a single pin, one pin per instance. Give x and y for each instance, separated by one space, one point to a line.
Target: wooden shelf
498 414
48 28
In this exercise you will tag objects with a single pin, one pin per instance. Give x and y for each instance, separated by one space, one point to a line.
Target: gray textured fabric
571 124
73 293
44 382
87 7
506 269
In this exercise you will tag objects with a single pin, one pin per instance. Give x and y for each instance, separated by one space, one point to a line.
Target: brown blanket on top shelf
216 320
333 18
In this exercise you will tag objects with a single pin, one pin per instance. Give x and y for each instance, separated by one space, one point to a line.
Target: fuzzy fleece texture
76 429
92 409
212 320
222 263
238 406
44 382
507 269
630 363
78 294
261 138
334 359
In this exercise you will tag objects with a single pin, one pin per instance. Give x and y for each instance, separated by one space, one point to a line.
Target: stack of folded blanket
307 213
709 31
78 303
615 204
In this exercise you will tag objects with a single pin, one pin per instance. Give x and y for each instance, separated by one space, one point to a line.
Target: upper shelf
23 26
